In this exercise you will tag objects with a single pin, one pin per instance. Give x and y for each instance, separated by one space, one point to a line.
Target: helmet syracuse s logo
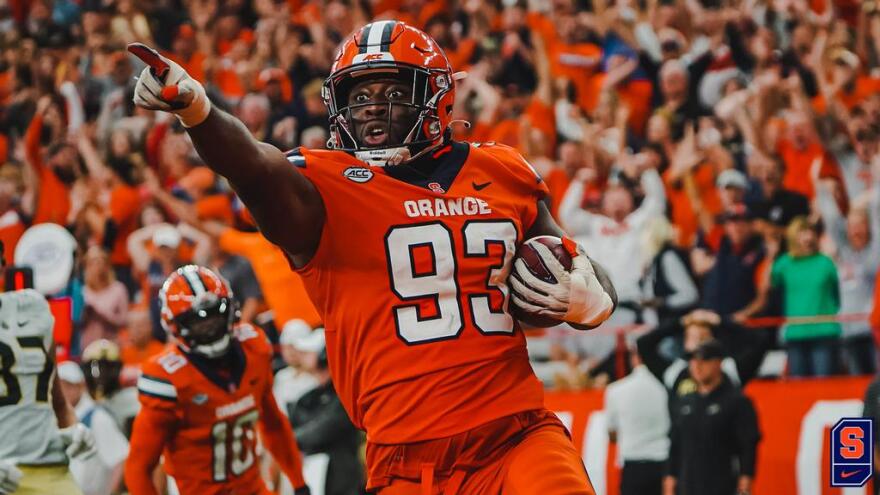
358 174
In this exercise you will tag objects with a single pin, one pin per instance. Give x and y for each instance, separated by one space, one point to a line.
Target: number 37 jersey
411 281
27 421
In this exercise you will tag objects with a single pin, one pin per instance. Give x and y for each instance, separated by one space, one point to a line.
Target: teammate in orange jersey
405 241
204 398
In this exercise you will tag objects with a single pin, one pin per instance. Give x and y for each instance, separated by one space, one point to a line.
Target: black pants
641 478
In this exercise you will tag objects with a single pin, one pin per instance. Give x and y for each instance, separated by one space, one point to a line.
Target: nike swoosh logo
480 187
23 323
847 474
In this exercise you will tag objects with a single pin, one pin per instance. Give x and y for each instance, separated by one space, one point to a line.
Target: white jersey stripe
152 386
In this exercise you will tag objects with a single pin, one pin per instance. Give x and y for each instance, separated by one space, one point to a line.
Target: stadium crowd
718 157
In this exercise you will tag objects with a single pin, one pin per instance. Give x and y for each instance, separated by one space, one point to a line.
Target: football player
204 399
33 451
405 239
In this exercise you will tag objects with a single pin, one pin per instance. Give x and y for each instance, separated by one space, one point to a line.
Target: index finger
158 66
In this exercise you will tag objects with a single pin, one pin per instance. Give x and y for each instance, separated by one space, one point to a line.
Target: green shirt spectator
808 280
810 288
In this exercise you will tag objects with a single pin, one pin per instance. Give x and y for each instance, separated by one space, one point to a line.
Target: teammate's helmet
198 310
391 50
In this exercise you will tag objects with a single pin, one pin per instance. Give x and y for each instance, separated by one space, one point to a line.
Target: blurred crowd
718 157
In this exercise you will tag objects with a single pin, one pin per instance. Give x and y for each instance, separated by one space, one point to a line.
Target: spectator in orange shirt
845 86
801 150
54 174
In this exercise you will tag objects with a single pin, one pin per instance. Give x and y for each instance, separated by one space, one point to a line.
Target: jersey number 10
241 442
440 283
39 364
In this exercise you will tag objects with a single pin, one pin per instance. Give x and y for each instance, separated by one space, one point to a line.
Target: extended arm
140 255
655 198
152 429
648 345
286 205
575 219
277 435
63 412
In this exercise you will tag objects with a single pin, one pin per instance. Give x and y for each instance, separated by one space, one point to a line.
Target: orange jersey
410 278
205 426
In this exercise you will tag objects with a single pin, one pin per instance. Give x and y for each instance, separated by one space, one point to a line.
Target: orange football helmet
198 310
391 50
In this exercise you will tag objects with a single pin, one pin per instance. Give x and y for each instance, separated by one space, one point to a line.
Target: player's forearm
285 204
227 147
139 478
64 414
278 436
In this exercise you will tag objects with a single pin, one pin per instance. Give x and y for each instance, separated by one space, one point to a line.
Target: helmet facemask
411 126
207 329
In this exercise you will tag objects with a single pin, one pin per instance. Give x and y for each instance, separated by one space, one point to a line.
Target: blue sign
852 452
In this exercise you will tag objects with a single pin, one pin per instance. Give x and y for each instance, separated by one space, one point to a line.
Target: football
536 266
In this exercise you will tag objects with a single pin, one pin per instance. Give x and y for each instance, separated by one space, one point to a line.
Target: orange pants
523 454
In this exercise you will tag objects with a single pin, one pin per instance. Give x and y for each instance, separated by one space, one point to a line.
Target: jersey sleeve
521 178
155 388
153 428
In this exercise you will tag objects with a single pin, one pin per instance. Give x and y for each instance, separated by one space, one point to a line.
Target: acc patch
200 399
358 174
852 452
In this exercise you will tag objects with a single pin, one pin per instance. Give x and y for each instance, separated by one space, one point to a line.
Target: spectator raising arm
572 217
202 241
654 202
137 246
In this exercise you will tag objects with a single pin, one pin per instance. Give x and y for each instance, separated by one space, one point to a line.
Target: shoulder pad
166 363
27 300
156 386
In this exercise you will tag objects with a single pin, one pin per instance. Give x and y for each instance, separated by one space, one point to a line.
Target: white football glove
164 85
10 477
79 441
577 297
